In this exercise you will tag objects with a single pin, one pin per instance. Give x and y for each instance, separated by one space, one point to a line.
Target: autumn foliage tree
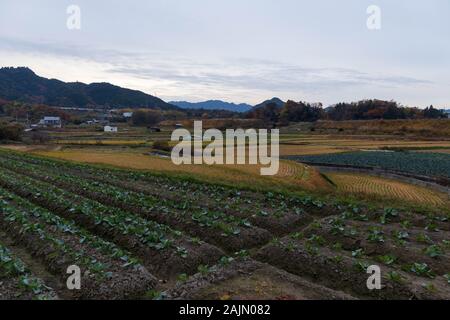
10 131
379 109
146 117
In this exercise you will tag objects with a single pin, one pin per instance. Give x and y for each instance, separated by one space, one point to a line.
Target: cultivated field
131 148
428 164
140 235
386 189
295 176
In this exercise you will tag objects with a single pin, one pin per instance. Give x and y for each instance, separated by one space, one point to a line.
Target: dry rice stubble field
292 176
366 185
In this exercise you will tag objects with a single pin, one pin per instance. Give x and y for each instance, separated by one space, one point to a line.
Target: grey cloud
242 73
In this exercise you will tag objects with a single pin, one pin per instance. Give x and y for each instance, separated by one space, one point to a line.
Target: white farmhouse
127 114
54 122
110 129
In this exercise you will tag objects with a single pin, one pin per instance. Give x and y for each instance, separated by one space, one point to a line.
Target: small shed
110 129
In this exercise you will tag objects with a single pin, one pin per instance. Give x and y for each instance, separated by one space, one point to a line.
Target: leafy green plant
337 246
447 277
358 253
394 276
401 235
315 225
291 246
432 227
388 214
423 238
422 269
224 261
446 244
156 295
242 254
434 251
196 241
337 226
351 232
183 277
375 235
387 259
203 269
311 249
429 287
406 224
297 236
316 239
275 241
15 269
361 265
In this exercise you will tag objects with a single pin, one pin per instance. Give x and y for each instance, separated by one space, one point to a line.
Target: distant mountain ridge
277 101
24 85
213 105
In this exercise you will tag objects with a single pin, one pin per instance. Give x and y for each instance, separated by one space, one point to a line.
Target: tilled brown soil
122 283
290 250
163 263
278 220
344 275
278 225
177 219
247 279
12 290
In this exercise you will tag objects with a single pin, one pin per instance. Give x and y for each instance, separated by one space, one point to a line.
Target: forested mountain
22 84
276 102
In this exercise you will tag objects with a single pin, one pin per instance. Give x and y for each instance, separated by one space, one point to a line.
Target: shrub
10 131
40 137
146 117
162 145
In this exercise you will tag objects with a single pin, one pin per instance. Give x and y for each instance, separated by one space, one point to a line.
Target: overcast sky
239 50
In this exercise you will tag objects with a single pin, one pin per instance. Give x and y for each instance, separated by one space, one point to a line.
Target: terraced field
386 189
305 178
137 234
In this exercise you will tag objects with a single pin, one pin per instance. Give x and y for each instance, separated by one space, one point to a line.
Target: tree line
270 113
293 111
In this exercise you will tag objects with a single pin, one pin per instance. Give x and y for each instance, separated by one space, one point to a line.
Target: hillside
22 84
278 102
213 105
